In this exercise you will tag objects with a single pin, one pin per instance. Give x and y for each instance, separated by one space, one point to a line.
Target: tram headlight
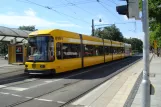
42 66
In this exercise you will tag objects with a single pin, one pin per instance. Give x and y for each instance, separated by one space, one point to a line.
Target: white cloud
30 18
30 12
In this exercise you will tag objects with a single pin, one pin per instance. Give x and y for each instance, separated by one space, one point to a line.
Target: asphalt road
47 91
3 62
9 72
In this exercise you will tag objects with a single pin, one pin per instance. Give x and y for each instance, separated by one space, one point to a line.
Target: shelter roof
6 34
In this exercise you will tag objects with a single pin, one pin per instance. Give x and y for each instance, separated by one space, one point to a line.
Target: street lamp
100 20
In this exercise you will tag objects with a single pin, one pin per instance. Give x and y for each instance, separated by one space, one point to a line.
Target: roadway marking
16 88
17 83
47 82
4 93
28 97
2 86
61 102
16 95
43 99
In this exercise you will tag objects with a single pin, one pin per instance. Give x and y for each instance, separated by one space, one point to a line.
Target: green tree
111 32
3 48
155 21
136 43
29 28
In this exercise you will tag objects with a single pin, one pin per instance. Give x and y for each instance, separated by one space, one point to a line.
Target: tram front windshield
41 49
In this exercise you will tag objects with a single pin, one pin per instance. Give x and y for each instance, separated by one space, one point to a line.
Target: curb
134 90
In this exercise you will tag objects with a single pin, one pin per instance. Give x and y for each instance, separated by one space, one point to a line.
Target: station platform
8 68
155 79
123 90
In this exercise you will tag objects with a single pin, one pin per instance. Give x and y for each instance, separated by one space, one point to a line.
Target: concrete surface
116 91
155 78
7 68
3 62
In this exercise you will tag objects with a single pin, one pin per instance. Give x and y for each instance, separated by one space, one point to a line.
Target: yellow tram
56 51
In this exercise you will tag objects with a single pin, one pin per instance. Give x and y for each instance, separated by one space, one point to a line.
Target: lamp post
93 29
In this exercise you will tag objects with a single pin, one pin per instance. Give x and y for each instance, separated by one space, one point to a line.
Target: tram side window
89 50
111 49
115 50
107 50
68 51
123 50
120 50
99 50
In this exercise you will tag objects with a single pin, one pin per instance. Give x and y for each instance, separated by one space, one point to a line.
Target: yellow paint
108 58
155 44
117 56
11 54
67 64
93 60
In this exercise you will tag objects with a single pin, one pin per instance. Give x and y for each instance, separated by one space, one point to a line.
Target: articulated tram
56 51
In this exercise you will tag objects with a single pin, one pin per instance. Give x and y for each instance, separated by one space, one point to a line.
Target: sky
71 15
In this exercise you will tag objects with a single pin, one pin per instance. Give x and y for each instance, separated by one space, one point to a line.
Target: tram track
22 76
128 64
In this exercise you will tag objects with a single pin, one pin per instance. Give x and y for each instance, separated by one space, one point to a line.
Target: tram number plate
33 65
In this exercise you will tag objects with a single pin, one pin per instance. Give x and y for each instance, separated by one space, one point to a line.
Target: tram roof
6 34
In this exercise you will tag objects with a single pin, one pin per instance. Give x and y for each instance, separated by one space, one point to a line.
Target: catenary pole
145 80
92 27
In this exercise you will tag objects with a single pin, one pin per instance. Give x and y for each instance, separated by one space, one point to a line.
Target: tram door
19 53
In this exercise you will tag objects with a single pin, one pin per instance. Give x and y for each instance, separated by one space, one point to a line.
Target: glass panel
19 39
41 48
107 50
25 41
99 50
89 50
68 51
1 37
8 38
